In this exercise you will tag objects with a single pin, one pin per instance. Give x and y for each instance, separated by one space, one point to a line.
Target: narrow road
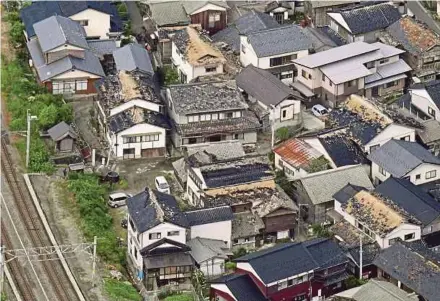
135 17
423 15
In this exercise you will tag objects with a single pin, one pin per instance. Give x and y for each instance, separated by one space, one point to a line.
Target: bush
282 134
353 281
121 291
240 252
230 265
170 76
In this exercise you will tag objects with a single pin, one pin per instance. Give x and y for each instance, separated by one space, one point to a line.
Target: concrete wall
99 22
220 230
400 232
163 228
421 171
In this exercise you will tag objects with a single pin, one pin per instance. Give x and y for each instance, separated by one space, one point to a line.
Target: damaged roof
206 97
133 57
212 152
246 224
297 152
196 50
280 40
129 118
399 157
417 268
414 36
203 249
342 150
348 236
263 85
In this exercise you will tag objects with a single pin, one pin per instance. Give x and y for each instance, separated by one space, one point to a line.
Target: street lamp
28 135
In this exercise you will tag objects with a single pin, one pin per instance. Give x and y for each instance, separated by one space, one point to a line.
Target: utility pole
95 241
2 269
272 127
28 137
360 259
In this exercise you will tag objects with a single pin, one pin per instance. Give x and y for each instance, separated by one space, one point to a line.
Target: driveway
423 15
311 122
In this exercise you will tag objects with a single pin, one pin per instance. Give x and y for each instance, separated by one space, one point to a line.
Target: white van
118 199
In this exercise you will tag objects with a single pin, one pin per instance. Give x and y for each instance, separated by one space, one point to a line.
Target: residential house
426 98
280 10
364 22
210 255
158 232
367 125
372 70
235 287
414 200
274 50
100 19
63 136
195 57
252 21
209 112
317 10
379 218
294 271
374 290
260 215
429 135
412 267
404 159
63 60
129 108
315 192
223 177
211 15
422 46
274 103
206 153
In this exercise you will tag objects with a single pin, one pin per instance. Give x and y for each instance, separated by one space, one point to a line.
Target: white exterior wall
135 103
422 170
392 131
222 288
297 173
422 100
163 228
314 82
376 174
264 62
139 129
400 232
99 23
200 70
74 74
134 246
293 108
220 230
247 267
190 185
183 66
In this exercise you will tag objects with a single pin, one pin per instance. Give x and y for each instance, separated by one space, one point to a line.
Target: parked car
162 184
118 199
319 110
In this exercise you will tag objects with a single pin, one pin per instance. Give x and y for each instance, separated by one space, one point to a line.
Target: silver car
118 199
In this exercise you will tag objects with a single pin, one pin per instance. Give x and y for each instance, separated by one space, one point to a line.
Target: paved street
423 15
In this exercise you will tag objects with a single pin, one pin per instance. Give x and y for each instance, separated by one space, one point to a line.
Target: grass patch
121 291
180 297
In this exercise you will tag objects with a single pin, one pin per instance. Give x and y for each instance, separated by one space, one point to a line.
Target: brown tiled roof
297 153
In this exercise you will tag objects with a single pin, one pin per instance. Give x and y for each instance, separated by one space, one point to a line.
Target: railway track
62 287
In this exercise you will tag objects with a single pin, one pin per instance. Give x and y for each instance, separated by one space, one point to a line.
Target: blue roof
289 259
413 199
242 287
343 151
40 10
209 215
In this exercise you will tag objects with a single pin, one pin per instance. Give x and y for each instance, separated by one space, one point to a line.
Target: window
81 85
276 61
213 18
383 61
369 65
351 83
392 241
156 235
193 118
323 78
406 138
409 236
135 252
129 139
290 282
330 83
373 147
304 74
210 69
214 116
382 171
284 113
431 174
243 49
282 285
173 233
391 84
238 136
84 22
237 114
286 75
192 140
418 176
431 112
229 114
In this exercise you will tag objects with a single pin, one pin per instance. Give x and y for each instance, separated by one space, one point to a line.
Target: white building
194 57
372 70
379 220
404 159
426 98
275 49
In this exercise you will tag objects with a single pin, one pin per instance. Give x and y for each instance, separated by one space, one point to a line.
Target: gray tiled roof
277 41
60 130
102 47
399 157
413 199
203 249
205 97
370 18
209 215
263 85
90 63
320 40
321 186
57 31
169 13
417 269
133 57
191 6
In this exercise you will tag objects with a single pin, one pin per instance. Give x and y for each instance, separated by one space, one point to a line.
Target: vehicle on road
319 110
162 184
118 199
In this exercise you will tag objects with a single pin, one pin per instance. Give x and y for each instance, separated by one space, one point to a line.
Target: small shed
63 136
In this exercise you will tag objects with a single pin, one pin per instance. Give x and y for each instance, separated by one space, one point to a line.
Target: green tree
282 134
353 281
321 231
122 10
16 33
170 76
48 116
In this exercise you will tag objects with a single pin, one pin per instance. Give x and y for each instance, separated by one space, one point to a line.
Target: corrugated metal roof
297 153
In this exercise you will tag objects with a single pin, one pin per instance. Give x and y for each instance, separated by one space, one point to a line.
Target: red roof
297 152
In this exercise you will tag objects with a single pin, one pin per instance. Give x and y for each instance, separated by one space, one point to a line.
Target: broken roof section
199 155
195 49
129 118
133 57
206 97
414 36
297 153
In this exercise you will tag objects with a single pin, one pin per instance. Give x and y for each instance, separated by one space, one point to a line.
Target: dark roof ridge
267 252
400 181
273 29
